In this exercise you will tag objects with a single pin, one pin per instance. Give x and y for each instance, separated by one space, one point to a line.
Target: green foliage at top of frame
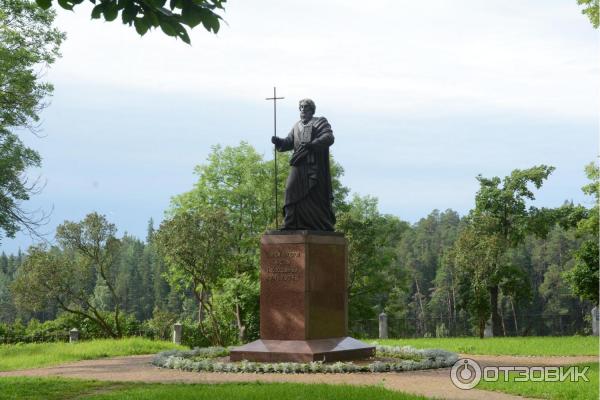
146 14
591 9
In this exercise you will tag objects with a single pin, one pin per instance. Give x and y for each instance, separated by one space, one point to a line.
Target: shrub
204 359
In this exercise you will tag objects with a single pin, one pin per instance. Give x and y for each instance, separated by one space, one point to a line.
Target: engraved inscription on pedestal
281 265
282 291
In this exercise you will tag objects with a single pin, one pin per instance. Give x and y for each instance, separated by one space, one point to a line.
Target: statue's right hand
275 140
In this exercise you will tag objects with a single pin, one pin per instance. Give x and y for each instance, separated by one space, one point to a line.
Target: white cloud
398 57
422 97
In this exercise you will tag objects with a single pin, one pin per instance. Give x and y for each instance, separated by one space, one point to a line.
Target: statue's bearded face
306 112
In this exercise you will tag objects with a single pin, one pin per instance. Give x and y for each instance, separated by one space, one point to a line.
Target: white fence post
73 335
383 326
177 333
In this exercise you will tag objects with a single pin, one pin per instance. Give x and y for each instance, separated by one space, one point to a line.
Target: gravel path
431 383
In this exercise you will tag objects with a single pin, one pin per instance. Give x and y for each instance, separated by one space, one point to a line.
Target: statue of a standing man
308 193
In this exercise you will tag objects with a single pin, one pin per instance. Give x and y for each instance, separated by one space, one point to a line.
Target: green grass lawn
48 388
55 388
33 355
550 390
526 346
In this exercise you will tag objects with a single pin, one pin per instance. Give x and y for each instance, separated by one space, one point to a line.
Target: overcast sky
422 97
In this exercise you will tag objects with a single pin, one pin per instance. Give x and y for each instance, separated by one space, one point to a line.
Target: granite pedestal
303 300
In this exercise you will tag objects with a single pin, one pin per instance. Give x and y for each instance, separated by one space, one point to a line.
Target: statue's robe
308 192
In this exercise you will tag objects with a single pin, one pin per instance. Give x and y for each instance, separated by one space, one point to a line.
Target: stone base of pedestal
303 301
326 350
303 285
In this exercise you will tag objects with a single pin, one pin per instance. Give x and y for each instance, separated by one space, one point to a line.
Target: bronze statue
308 192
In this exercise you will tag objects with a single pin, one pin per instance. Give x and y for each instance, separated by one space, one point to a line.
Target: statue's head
307 109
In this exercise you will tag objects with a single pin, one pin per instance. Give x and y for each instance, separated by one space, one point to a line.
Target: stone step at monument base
302 351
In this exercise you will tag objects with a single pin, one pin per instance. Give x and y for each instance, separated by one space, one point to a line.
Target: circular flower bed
387 359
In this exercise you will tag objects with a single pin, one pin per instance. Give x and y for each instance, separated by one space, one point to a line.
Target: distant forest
435 277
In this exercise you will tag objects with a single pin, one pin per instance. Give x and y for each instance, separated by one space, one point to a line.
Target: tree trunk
512 305
422 313
453 298
481 327
218 341
450 323
496 323
97 318
203 296
240 325
502 321
115 298
200 298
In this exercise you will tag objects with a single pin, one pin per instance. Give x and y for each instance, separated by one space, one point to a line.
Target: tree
69 275
553 290
372 239
591 8
421 253
131 288
28 44
583 278
443 304
499 221
146 14
96 248
160 291
477 257
195 245
7 311
516 289
238 181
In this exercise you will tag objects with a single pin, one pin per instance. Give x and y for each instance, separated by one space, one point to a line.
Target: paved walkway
431 383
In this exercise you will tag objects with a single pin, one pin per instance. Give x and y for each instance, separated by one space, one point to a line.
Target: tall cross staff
275 98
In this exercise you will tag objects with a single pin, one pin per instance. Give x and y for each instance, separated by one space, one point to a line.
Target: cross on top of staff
275 98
